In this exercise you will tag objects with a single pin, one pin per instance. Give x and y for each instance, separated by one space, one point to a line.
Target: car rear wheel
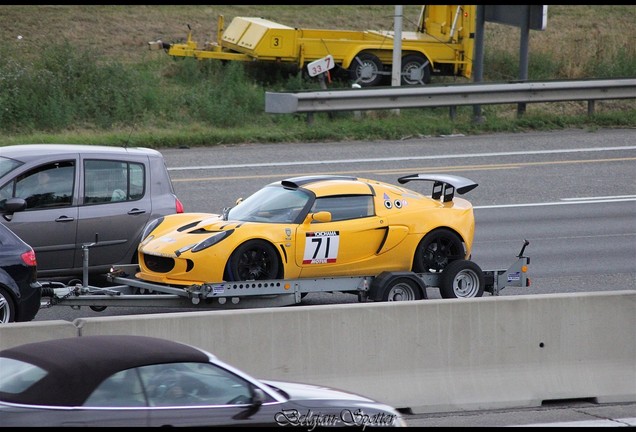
436 250
253 260
7 307
462 279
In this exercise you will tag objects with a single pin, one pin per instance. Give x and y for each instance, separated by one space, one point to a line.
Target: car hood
299 391
183 230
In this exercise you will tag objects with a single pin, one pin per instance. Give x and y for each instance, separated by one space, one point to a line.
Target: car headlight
212 240
150 226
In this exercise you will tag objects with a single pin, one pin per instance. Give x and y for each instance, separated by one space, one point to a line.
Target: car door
352 238
201 394
114 208
49 222
220 415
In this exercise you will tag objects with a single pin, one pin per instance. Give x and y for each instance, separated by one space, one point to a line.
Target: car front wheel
253 260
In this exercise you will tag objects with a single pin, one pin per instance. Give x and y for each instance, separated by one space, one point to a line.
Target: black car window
49 185
111 181
183 384
119 390
16 375
345 207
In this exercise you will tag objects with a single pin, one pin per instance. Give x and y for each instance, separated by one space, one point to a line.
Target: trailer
442 44
460 279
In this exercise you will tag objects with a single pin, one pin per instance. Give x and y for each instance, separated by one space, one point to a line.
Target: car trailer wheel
390 286
462 279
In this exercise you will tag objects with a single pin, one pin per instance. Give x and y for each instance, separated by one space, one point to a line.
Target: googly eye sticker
397 204
387 204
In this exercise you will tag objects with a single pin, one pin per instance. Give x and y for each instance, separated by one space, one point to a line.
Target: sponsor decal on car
321 247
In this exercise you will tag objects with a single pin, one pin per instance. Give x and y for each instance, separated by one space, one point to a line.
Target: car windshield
273 204
8 165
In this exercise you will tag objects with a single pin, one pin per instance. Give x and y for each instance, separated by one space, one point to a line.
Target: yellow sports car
314 226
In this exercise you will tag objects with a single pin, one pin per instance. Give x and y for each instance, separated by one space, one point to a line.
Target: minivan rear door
115 206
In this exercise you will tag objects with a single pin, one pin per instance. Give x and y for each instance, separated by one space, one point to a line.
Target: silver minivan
59 197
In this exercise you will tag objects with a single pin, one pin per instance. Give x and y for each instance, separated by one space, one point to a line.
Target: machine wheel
436 250
415 70
462 279
365 69
98 308
402 289
7 307
253 260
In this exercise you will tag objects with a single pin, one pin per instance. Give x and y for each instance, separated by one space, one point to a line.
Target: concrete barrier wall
429 355
13 334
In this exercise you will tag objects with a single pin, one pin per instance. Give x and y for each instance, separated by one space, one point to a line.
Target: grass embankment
87 76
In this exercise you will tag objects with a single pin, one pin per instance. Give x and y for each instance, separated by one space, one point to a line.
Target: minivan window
111 181
7 165
46 186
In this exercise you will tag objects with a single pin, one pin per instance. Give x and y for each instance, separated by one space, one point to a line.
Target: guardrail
450 95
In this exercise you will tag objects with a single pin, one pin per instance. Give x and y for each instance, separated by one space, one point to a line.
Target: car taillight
179 205
29 258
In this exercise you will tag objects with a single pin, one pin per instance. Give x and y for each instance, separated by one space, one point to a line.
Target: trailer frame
127 290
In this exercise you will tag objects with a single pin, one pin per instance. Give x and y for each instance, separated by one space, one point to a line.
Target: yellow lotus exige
314 226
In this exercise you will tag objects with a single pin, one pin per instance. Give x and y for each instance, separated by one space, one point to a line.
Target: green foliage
73 95
68 88
621 65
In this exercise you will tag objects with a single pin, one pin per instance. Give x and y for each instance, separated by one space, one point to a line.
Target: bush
191 102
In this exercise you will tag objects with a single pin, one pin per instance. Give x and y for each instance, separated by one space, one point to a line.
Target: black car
123 380
20 293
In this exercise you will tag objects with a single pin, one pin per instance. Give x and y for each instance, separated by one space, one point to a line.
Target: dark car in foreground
124 380
19 291
60 197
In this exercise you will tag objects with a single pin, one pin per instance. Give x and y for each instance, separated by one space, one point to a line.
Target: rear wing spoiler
444 185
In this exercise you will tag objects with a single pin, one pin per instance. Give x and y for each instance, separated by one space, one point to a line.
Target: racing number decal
321 247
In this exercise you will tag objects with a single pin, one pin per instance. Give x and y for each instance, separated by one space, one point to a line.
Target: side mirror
13 205
321 216
258 397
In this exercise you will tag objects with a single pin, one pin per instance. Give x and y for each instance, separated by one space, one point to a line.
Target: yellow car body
314 227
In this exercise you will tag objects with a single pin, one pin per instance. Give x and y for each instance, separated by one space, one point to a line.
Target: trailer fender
397 286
